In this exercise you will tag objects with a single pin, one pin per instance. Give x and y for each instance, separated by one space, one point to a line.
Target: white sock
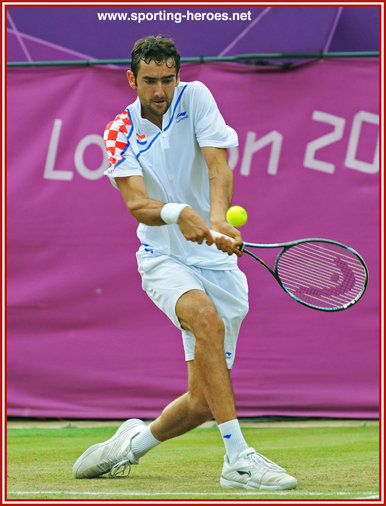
144 442
233 439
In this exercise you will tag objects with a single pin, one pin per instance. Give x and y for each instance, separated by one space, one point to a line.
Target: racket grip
215 234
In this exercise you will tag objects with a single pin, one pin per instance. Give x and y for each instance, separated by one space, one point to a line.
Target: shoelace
262 460
119 457
116 472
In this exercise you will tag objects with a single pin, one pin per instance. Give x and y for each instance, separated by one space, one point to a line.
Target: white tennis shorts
165 280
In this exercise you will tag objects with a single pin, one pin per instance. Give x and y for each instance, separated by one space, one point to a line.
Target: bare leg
210 391
183 414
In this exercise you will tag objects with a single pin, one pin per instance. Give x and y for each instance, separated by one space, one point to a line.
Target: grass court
330 460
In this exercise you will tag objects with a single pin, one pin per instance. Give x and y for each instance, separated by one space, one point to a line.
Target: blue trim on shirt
128 139
149 146
169 124
131 131
175 107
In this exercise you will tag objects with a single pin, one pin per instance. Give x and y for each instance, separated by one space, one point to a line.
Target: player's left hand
224 244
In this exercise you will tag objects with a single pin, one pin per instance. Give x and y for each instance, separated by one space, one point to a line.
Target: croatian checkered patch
116 138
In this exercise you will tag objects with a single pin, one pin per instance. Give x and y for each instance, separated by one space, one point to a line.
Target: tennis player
168 159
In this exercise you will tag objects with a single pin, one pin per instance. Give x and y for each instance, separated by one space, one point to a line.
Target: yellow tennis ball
236 216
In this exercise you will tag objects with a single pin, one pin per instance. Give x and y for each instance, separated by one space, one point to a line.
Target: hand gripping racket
319 273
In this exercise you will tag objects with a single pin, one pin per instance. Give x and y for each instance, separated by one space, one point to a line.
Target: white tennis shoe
113 456
254 471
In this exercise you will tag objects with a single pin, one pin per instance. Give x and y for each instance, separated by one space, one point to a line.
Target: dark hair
154 48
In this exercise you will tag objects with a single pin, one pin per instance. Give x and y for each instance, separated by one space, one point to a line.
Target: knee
207 322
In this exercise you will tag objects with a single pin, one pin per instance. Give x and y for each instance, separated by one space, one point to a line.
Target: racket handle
215 234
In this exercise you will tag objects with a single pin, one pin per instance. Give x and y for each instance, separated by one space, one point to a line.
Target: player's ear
178 79
131 79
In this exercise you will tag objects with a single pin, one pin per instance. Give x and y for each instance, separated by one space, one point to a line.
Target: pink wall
84 341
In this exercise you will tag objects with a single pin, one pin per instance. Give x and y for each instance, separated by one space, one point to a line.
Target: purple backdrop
68 32
84 341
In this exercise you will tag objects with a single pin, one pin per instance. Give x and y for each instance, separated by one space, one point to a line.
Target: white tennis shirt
172 165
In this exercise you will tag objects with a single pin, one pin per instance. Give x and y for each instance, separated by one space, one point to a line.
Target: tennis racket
318 273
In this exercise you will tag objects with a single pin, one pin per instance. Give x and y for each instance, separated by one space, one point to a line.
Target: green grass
337 462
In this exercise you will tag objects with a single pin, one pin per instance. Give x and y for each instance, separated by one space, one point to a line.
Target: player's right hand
193 227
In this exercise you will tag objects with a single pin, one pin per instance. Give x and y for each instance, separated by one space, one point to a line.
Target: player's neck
153 118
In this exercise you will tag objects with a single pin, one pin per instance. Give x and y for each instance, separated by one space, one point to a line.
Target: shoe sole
129 423
236 484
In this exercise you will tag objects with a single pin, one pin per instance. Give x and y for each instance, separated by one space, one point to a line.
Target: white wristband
171 212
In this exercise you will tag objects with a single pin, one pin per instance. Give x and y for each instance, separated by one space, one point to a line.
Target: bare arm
144 209
221 193
148 211
192 225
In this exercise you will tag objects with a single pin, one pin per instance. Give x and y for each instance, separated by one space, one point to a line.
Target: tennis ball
236 216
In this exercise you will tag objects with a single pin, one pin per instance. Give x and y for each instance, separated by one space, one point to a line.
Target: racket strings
322 274
307 264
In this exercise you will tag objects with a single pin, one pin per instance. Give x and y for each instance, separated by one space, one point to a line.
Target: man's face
155 85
